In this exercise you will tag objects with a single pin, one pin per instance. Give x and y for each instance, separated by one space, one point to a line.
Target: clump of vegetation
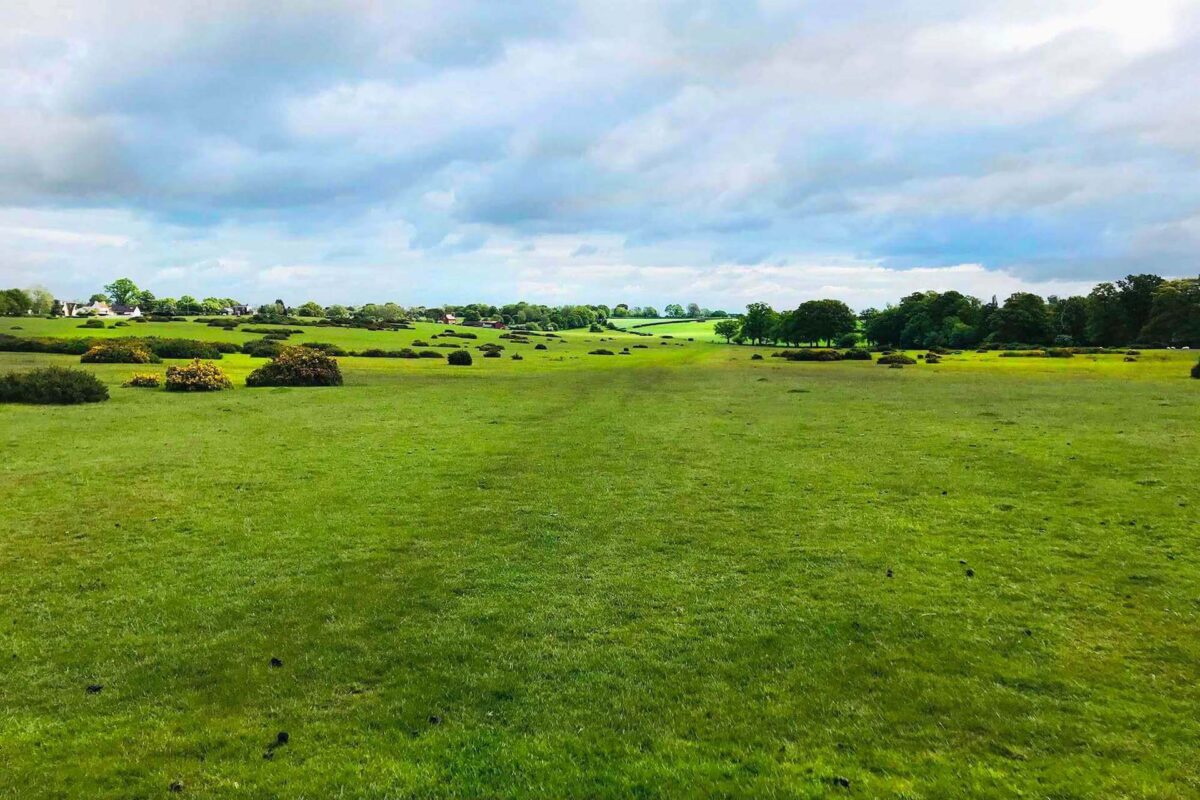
491 354
119 351
298 366
325 347
93 323
52 386
756 357
1196 370
895 359
857 354
517 357
1023 354
198 376
420 343
430 354
808 354
600 352
540 346
933 358
460 358
262 348
143 380
1060 352
188 348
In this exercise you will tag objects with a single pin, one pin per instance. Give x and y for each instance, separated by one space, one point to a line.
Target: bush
895 358
325 347
460 358
600 352
808 354
1060 352
198 376
1023 354
1131 359
297 366
1196 370
143 380
52 386
849 341
69 347
93 323
756 357
517 357
491 354
933 358
262 348
419 343
119 351
490 346
187 348
430 354
540 346
857 354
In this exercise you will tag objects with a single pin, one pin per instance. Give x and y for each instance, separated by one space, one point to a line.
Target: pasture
679 572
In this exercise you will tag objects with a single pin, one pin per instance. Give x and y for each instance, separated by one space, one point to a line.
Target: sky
451 151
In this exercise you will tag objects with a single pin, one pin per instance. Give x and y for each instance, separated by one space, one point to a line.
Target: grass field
675 573
701 331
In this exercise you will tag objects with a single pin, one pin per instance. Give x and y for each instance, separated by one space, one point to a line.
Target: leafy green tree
758 325
694 310
311 309
122 292
98 298
674 310
1137 299
729 327
188 305
1106 317
15 302
1175 313
40 300
1023 318
1072 319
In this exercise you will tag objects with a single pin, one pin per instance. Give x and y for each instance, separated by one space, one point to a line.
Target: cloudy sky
645 152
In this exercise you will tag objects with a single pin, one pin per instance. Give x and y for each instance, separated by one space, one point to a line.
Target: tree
1137 298
649 312
122 292
758 324
145 300
98 298
728 327
1106 317
694 310
674 310
1175 313
1072 319
188 305
14 302
311 309
40 300
1023 318
212 305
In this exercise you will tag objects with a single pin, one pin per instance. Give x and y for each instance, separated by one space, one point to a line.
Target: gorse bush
857 354
198 376
21 344
143 380
895 358
298 366
460 358
262 348
52 386
188 348
119 351
808 354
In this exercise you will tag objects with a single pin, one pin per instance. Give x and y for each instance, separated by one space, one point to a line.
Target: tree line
1137 309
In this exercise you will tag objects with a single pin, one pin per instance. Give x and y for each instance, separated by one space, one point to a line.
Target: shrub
93 323
849 341
262 348
325 347
600 352
70 347
491 354
1023 354
808 354
187 348
895 359
540 346
276 335
143 380
419 343
490 346
857 354
430 354
933 358
118 351
460 358
297 366
52 386
1060 352
1196 370
198 376
756 357
517 357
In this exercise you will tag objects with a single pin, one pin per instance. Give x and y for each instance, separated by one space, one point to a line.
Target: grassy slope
655 574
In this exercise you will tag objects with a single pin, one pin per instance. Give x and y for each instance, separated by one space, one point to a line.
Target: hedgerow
119 351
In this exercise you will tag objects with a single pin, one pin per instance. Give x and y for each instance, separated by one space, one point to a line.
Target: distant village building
448 319
239 310
78 308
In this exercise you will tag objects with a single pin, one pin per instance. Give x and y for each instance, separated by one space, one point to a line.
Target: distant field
679 572
657 327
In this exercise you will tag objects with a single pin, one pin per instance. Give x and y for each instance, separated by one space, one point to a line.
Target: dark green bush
808 354
517 357
895 358
186 348
430 354
491 354
298 366
1060 352
600 352
1196 370
540 346
420 343
93 323
52 386
262 348
460 358
20 344
119 351
325 347
756 357
857 354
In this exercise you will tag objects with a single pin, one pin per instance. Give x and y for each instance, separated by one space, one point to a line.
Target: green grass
701 331
662 574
